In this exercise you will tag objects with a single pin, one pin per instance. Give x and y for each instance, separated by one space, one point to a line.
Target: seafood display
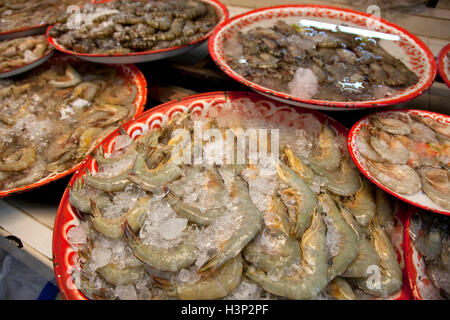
430 237
174 212
21 51
122 27
311 63
19 14
51 117
408 153
443 60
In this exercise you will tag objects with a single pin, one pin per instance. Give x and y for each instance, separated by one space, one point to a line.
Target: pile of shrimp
18 52
312 63
19 14
408 154
121 27
311 228
430 234
52 117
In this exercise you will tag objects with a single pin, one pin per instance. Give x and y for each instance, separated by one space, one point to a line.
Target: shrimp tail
129 233
95 210
163 283
211 263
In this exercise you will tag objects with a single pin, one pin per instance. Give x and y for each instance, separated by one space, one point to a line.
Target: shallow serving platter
409 49
23 32
419 199
28 66
65 257
145 56
133 77
443 61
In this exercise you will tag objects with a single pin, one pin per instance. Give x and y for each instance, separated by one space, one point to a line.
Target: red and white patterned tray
133 77
65 257
149 55
419 199
409 49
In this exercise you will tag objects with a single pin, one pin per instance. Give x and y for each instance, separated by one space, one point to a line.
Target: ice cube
184 275
79 103
77 235
172 228
245 291
126 292
100 256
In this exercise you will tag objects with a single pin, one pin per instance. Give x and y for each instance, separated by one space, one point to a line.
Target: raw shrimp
420 153
152 179
19 160
250 224
440 127
364 147
85 90
389 148
384 211
36 172
115 183
282 253
86 141
100 158
327 154
280 213
80 197
397 177
341 290
213 285
112 227
201 217
345 181
367 256
216 185
390 125
313 276
362 204
193 214
421 133
347 247
390 277
306 199
120 276
104 115
299 167
173 259
436 185
283 250
61 146
72 79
